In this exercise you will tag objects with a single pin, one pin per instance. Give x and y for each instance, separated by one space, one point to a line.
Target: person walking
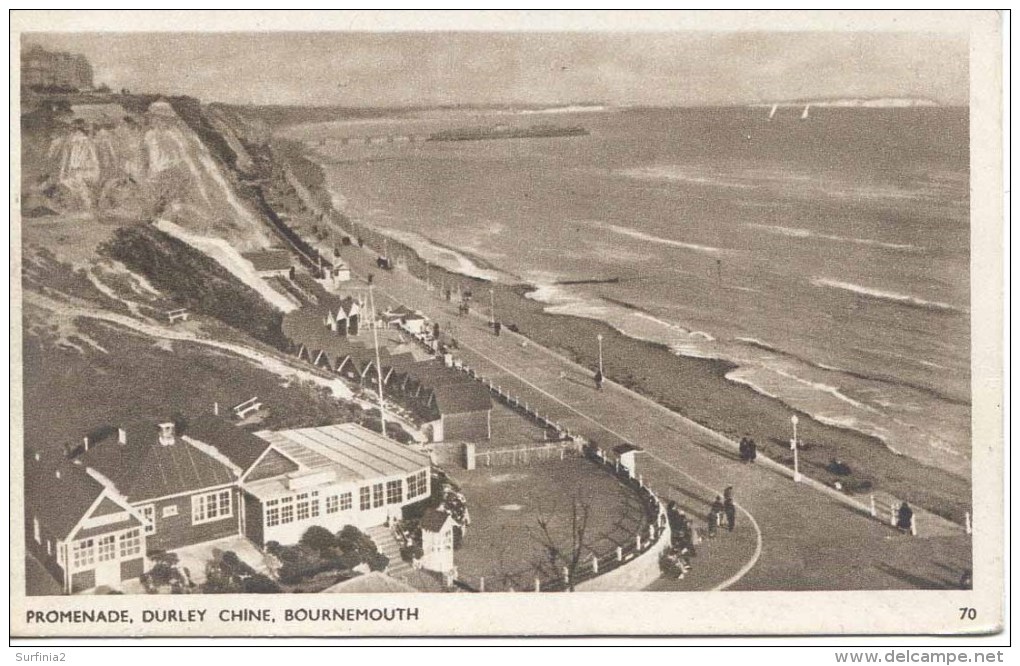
598 380
752 450
904 517
715 515
729 508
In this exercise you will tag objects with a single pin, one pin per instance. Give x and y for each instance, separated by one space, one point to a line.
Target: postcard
506 323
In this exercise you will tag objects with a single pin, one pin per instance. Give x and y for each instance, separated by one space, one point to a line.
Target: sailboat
804 116
775 107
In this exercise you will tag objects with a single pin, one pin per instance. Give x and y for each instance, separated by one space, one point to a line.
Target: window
108 548
211 506
130 543
366 498
332 504
170 511
394 492
302 506
377 495
286 510
36 531
84 553
272 513
346 501
149 513
417 484
314 505
49 547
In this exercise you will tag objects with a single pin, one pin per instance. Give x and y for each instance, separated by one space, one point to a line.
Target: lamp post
795 445
599 336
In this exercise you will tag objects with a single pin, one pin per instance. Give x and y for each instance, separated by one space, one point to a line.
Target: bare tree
569 557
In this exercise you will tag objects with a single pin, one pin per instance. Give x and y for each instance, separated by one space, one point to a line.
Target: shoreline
696 388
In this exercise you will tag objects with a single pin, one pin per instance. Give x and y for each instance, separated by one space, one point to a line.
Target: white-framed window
149 514
302 506
314 504
84 553
130 543
272 512
286 510
394 492
107 548
377 495
332 504
417 484
169 511
36 531
211 506
366 498
346 501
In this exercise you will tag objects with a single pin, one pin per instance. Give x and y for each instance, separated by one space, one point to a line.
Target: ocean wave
891 296
800 232
681 174
649 238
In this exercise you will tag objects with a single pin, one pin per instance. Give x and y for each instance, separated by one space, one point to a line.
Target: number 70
968 614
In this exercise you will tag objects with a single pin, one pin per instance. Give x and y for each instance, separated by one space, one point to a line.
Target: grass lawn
504 542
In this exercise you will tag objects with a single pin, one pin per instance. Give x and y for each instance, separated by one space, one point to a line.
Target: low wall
637 574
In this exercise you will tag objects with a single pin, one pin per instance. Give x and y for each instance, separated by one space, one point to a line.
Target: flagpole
378 365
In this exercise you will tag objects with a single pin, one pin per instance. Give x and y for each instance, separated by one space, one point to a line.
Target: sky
426 68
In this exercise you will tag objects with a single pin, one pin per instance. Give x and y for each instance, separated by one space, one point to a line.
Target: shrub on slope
196 281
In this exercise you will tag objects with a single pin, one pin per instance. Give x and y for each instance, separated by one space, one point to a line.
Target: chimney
166 433
121 436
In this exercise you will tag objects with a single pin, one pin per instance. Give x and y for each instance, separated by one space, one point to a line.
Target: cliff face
107 161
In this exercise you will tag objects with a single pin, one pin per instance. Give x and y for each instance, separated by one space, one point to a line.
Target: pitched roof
144 469
58 503
626 448
462 398
372 582
270 260
433 520
238 445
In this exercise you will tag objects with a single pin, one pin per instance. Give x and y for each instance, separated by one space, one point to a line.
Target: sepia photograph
502 320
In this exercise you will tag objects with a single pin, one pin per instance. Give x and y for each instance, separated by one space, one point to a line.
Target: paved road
808 539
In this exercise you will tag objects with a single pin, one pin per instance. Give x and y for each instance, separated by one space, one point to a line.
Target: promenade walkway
789 536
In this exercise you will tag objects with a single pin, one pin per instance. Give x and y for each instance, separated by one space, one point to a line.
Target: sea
827 258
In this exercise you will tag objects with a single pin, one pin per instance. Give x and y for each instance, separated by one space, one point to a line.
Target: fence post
968 515
566 575
892 514
966 523
637 541
873 512
538 584
641 480
913 525
594 564
619 554
481 584
651 531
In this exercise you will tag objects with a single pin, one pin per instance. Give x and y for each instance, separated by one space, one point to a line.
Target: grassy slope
196 281
68 394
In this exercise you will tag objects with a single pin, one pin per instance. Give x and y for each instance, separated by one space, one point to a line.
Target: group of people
748 449
722 507
683 538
